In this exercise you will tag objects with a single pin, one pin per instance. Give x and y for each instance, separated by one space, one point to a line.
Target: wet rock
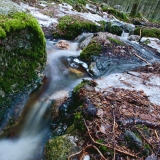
93 69
89 109
114 28
118 7
62 44
84 41
105 51
134 38
128 27
133 141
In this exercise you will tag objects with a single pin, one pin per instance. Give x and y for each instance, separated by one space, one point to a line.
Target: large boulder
70 26
22 51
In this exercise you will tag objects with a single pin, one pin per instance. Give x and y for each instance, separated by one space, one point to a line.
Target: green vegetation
81 85
102 25
23 55
71 26
59 148
93 48
148 32
78 122
118 14
115 41
114 29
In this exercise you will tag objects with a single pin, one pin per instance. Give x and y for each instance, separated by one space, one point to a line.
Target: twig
132 74
118 150
140 33
156 134
141 58
99 152
135 121
113 131
74 154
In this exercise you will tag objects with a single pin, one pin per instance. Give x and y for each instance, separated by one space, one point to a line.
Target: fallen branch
135 121
141 58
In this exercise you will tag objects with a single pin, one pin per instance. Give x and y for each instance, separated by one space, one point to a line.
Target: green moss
78 122
93 48
18 21
59 148
102 23
23 60
116 41
148 32
70 27
118 14
22 55
2 33
114 29
81 85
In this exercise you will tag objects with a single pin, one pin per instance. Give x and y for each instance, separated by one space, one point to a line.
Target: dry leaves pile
121 112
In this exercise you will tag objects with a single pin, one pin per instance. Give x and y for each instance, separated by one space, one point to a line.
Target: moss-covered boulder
147 32
114 28
60 148
118 14
22 50
71 26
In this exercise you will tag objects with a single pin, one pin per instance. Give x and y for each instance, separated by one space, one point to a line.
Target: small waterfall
124 35
32 131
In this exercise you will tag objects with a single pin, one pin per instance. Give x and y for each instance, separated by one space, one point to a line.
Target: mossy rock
22 51
60 148
148 32
71 26
113 28
94 48
118 14
99 44
81 85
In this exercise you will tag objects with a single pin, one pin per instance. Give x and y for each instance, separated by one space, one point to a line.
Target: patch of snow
43 20
152 42
43 5
86 157
67 9
150 85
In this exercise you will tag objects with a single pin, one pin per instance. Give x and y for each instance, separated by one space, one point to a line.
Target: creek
62 75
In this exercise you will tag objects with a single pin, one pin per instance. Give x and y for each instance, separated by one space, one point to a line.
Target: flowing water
27 139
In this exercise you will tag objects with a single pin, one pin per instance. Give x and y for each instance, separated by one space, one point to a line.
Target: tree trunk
134 9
